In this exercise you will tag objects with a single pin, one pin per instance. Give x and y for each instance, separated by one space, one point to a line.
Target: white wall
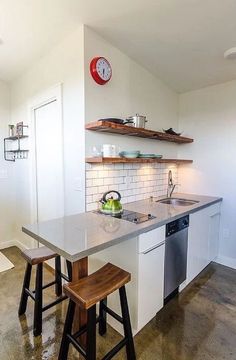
7 198
209 115
64 64
131 90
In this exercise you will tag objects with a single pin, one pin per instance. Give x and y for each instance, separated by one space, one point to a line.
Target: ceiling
180 41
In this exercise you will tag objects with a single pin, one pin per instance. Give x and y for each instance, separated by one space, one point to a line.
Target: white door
49 160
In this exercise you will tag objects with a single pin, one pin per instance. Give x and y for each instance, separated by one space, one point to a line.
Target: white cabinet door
197 243
150 284
213 241
203 239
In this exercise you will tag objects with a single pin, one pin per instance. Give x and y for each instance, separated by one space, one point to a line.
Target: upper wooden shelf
118 160
109 127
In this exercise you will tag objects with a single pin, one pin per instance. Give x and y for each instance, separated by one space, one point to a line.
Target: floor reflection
199 324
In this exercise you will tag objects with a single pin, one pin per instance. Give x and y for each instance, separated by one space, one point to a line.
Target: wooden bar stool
86 293
37 257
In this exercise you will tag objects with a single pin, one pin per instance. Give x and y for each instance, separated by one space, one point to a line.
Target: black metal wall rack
12 155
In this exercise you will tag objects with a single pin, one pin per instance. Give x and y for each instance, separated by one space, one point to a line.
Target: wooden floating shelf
110 127
120 160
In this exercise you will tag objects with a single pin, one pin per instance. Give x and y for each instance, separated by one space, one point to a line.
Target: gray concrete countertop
77 236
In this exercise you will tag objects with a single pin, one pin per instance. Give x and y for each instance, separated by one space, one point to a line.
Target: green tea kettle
111 206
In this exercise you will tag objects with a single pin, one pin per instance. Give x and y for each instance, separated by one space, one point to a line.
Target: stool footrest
83 329
57 301
49 284
115 350
77 345
30 293
46 286
113 314
65 277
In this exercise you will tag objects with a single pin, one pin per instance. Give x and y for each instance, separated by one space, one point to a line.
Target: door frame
52 94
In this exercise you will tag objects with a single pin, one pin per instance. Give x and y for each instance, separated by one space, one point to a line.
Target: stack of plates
137 154
130 154
150 156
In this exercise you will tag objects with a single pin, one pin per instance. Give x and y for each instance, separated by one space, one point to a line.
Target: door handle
153 248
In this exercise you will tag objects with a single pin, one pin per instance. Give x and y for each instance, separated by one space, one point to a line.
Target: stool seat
86 293
38 255
90 290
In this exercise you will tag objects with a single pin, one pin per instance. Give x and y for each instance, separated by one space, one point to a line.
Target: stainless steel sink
177 202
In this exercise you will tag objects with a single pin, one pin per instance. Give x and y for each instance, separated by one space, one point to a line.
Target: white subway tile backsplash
98 182
91 207
89 183
128 166
122 186
113 187
119 166
128 179
103 173
131 172
108 181
109 166
91 174
92 190
96 197
118 180
102 189
131 198
89 199
134 181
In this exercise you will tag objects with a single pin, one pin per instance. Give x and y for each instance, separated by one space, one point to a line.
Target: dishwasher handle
153 248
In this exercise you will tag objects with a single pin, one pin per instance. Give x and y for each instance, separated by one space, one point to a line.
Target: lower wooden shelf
119 160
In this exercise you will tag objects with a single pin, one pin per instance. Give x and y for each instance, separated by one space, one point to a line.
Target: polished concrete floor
199 325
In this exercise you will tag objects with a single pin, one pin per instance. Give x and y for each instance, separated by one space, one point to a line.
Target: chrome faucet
171 186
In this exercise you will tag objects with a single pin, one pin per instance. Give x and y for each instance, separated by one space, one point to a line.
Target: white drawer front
214 209
151 238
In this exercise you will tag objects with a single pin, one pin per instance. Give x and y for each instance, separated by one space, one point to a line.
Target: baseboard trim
7 244
13 242
226 261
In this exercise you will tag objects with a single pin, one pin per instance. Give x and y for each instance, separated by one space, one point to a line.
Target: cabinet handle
153 248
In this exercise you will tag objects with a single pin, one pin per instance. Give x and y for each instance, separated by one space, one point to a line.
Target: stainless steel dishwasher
176 247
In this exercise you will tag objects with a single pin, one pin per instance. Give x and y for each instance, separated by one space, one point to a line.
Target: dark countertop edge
118 240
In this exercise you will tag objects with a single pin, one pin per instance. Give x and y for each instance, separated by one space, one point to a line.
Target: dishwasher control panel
177 225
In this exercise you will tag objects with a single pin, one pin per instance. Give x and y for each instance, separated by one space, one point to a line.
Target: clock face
100 70
103 69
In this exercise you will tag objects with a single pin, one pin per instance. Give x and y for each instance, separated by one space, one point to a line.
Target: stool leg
127 325
58 286
103 317
69 270
91 334
24 295
38 301
65 342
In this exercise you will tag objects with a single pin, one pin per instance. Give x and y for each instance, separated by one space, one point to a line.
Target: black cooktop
132 216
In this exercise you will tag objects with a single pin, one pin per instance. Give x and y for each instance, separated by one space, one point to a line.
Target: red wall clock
100 70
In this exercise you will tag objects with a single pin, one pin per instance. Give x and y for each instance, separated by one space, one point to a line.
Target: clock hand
103 71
